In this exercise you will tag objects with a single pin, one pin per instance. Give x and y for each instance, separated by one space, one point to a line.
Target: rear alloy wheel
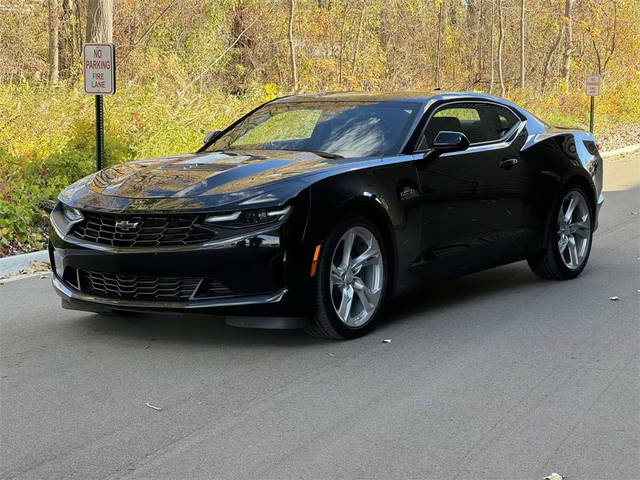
569 242
351 281
574 230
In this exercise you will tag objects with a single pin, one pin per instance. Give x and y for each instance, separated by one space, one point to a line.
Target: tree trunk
549 56
492 59
69 37
522 2
292 48
354 63
53 41
99 21
613 37
567 46
344 23
441 21
480 41
500 44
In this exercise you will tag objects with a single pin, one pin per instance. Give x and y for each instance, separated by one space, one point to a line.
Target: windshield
345 129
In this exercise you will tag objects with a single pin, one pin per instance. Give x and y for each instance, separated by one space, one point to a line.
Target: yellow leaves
271 91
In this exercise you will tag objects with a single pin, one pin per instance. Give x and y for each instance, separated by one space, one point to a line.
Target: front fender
380 195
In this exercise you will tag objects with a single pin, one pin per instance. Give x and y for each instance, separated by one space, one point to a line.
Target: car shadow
209 329
417 305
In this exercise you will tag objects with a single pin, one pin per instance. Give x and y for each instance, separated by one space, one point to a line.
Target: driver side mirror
211 136
447 141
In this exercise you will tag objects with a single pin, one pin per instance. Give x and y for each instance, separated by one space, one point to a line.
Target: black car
321 207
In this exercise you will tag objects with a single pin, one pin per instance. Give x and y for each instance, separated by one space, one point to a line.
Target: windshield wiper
320 153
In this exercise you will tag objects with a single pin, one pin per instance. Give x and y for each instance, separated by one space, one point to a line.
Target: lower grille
134 287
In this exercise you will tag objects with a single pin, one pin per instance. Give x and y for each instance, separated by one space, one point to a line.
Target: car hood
205 180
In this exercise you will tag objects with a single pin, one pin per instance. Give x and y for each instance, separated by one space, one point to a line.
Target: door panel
473 202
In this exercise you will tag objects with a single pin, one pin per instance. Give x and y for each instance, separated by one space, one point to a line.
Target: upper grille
141 230
133 287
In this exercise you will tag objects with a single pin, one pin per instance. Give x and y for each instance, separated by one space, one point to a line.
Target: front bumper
252 269
75 297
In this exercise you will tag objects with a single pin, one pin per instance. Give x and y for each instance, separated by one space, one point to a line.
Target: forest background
186 67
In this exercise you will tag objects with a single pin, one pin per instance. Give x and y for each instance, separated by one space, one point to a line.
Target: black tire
548 263
324 322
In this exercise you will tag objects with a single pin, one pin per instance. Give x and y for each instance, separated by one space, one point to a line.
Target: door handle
508 163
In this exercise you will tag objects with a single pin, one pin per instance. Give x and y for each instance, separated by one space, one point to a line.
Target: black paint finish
441 214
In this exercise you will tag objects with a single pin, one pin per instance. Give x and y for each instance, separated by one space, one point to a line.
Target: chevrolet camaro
314 210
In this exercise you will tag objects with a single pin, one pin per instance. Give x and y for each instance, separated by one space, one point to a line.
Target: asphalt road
497 375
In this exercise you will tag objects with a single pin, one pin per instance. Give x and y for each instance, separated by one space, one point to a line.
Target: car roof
422 98
419 97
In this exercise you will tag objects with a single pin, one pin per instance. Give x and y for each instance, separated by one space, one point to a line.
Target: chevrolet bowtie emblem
126 226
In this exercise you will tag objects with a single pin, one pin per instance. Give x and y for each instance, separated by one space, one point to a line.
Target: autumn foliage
188 66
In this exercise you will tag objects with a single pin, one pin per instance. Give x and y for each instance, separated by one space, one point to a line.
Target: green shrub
47 141
47 136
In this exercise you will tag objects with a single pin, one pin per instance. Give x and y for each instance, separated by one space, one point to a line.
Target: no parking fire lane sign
99 65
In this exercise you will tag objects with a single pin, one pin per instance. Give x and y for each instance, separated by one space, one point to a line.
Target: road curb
12 265
620 151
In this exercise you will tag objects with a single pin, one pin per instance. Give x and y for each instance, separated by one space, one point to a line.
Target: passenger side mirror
447 141
211 136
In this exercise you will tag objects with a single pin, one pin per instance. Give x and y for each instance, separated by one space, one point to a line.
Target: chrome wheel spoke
347 246
336 276
345 304
368 299
570 208
582 228
368 257
573 252
562 243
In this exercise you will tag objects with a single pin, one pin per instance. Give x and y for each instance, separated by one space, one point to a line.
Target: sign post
592 88
99 66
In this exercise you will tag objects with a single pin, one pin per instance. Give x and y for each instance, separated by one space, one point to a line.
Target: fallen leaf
386 340
152 406
554 476
614 298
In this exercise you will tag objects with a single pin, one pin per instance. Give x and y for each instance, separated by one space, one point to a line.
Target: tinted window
348 129
479 122
465 118
505 120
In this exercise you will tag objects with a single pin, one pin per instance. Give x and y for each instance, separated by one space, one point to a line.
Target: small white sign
592 85
99 65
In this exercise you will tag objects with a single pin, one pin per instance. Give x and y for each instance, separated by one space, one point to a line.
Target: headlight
73 215
63 217
249 217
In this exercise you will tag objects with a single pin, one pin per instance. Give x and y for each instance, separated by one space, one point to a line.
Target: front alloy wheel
350 281
356 276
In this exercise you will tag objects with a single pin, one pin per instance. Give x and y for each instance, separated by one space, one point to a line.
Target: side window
505 120
460 117
480 122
